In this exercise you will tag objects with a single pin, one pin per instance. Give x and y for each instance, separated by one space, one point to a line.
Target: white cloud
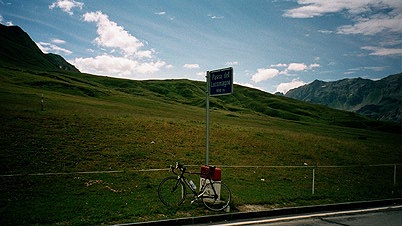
279 65
362 69
359 69
373 68
116 66
370 16
66 5
214 17
297 67
312 8
381 51
50 47
7 23
114 36
160 13
267 73
285 87
326 31
125 57
58 41
264 74
191 66
392 42
231 63
374 25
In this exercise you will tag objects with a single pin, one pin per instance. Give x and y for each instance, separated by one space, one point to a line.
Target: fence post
312 186
395 174
41 103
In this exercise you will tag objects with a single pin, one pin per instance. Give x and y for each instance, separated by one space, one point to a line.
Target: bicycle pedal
194 200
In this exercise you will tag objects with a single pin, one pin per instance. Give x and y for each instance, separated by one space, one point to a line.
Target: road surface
388 216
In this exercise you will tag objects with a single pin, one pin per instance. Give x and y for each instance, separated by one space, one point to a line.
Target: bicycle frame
202 191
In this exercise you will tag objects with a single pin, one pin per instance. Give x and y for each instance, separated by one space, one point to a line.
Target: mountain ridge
381 99
36 71
18 49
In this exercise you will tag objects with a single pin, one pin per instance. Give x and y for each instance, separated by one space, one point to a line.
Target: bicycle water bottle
193 185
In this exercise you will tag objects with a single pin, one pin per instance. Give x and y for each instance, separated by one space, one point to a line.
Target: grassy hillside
92 123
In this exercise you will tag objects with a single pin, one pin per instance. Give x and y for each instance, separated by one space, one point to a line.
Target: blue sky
272 45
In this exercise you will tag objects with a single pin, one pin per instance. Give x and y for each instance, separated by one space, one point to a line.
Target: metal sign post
207 140
219 82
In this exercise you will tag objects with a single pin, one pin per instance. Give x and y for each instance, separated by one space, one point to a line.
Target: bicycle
215 195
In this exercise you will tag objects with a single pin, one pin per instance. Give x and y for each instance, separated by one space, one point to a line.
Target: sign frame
220 82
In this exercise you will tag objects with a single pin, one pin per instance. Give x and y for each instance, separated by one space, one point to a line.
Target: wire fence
314 169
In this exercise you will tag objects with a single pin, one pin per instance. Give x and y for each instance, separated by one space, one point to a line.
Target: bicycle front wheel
171 191
217 202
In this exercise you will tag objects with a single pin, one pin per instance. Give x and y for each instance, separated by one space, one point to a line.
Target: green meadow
80 159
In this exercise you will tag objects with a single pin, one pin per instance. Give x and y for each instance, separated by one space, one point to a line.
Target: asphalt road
387 216
386 212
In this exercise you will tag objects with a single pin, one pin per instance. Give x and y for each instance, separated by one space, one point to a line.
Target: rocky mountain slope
380 99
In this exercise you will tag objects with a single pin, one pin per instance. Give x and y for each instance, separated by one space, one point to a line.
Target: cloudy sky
272 45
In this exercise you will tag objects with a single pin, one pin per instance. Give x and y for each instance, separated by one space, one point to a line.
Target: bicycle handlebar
177 166
182 169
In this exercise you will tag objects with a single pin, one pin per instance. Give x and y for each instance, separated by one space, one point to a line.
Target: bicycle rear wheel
171 191
217 203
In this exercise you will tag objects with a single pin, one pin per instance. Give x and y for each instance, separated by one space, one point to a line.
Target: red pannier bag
215 172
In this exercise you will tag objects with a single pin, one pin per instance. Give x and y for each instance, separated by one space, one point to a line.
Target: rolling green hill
77 158
19 52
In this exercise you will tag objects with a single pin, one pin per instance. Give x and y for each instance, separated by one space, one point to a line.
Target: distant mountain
380 99
18 50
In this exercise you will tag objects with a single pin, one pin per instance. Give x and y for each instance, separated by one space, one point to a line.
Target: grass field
92 123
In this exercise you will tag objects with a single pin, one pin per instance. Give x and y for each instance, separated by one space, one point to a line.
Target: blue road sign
220 82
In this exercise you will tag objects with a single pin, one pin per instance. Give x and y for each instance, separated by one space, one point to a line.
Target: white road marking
310 216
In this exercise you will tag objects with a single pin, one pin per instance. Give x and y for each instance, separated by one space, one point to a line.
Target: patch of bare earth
255 208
